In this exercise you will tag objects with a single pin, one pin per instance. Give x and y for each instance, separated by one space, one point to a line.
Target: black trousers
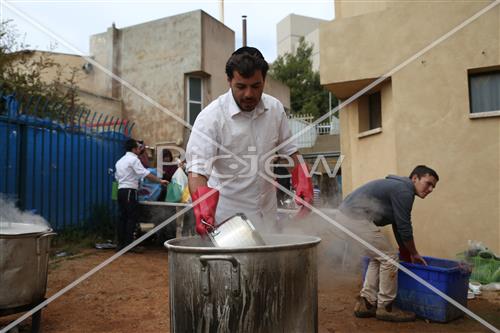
127 202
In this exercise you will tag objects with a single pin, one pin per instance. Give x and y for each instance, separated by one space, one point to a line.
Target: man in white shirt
241 125
129 171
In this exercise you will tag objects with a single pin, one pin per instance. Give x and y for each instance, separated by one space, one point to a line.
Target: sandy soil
131 295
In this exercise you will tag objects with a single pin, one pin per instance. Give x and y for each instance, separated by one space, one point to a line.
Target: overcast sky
75 21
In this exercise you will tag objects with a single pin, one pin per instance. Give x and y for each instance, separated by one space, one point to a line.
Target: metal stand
36 318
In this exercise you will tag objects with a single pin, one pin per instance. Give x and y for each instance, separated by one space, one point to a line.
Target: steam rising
337 251
11 214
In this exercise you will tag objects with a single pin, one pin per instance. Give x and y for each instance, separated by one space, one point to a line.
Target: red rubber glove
302 184
205 209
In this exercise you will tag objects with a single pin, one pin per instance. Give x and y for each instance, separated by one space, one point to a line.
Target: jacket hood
405 180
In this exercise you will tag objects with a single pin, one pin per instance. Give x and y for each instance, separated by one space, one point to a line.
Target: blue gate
58 161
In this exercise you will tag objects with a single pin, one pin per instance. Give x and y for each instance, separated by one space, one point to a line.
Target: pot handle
48 234
205 273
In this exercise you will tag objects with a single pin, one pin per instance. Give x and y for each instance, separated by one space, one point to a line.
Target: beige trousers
381 280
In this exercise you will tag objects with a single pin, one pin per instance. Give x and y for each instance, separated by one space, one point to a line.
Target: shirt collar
129 153
234 109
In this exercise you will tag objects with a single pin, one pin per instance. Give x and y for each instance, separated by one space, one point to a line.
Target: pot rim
306 242
40 230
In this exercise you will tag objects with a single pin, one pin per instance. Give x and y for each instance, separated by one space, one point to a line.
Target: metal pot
24 250
236 231
270 288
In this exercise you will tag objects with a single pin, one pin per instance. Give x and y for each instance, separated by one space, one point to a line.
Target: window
484 92
370 112
194 99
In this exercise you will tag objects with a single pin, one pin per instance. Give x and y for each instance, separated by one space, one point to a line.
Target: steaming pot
24 250
271 288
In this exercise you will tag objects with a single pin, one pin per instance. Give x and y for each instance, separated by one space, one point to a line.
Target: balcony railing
307 137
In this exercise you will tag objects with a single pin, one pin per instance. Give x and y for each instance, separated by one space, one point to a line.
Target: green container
114 190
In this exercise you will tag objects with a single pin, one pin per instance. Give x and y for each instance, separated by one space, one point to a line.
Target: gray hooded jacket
384 201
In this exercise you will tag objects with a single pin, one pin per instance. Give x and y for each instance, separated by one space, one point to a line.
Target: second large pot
270 288
24 256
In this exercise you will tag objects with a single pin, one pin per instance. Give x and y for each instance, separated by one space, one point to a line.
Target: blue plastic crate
443 274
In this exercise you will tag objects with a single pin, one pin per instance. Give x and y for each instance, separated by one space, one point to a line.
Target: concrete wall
289 31
218 45
425 114
367 156
348 8
155 63
100 104
157 58
279 90
313 40
370 45
69 64
103 49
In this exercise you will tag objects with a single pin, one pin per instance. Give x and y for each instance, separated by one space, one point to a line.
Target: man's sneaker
393 313
364 309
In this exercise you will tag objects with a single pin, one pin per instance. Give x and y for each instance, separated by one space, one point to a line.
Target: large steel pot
24 255
271 288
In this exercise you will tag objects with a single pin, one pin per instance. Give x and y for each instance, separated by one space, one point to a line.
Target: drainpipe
113 35
244 30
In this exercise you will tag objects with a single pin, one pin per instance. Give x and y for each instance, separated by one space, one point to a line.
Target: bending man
379 203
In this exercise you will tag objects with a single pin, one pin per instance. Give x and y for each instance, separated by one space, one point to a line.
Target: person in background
249 124
129 171
378 203
143 155
164 212
168 171
188 219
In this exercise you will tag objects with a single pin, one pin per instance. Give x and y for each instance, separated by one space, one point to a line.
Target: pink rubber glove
205 209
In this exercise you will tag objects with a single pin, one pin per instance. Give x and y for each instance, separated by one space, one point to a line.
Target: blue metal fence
58 161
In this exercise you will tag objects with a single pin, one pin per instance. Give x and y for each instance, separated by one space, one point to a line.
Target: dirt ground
131 295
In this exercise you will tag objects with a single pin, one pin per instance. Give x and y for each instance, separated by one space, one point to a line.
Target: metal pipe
221 11
244 30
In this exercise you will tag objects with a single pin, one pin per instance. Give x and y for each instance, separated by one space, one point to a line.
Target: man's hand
417 259
163 182
204 210
302 184
404 254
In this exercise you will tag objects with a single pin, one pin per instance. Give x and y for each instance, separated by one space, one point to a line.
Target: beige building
441 109
293 27
171 69
322 140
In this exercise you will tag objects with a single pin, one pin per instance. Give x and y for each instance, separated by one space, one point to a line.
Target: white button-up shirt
129 171
253 137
